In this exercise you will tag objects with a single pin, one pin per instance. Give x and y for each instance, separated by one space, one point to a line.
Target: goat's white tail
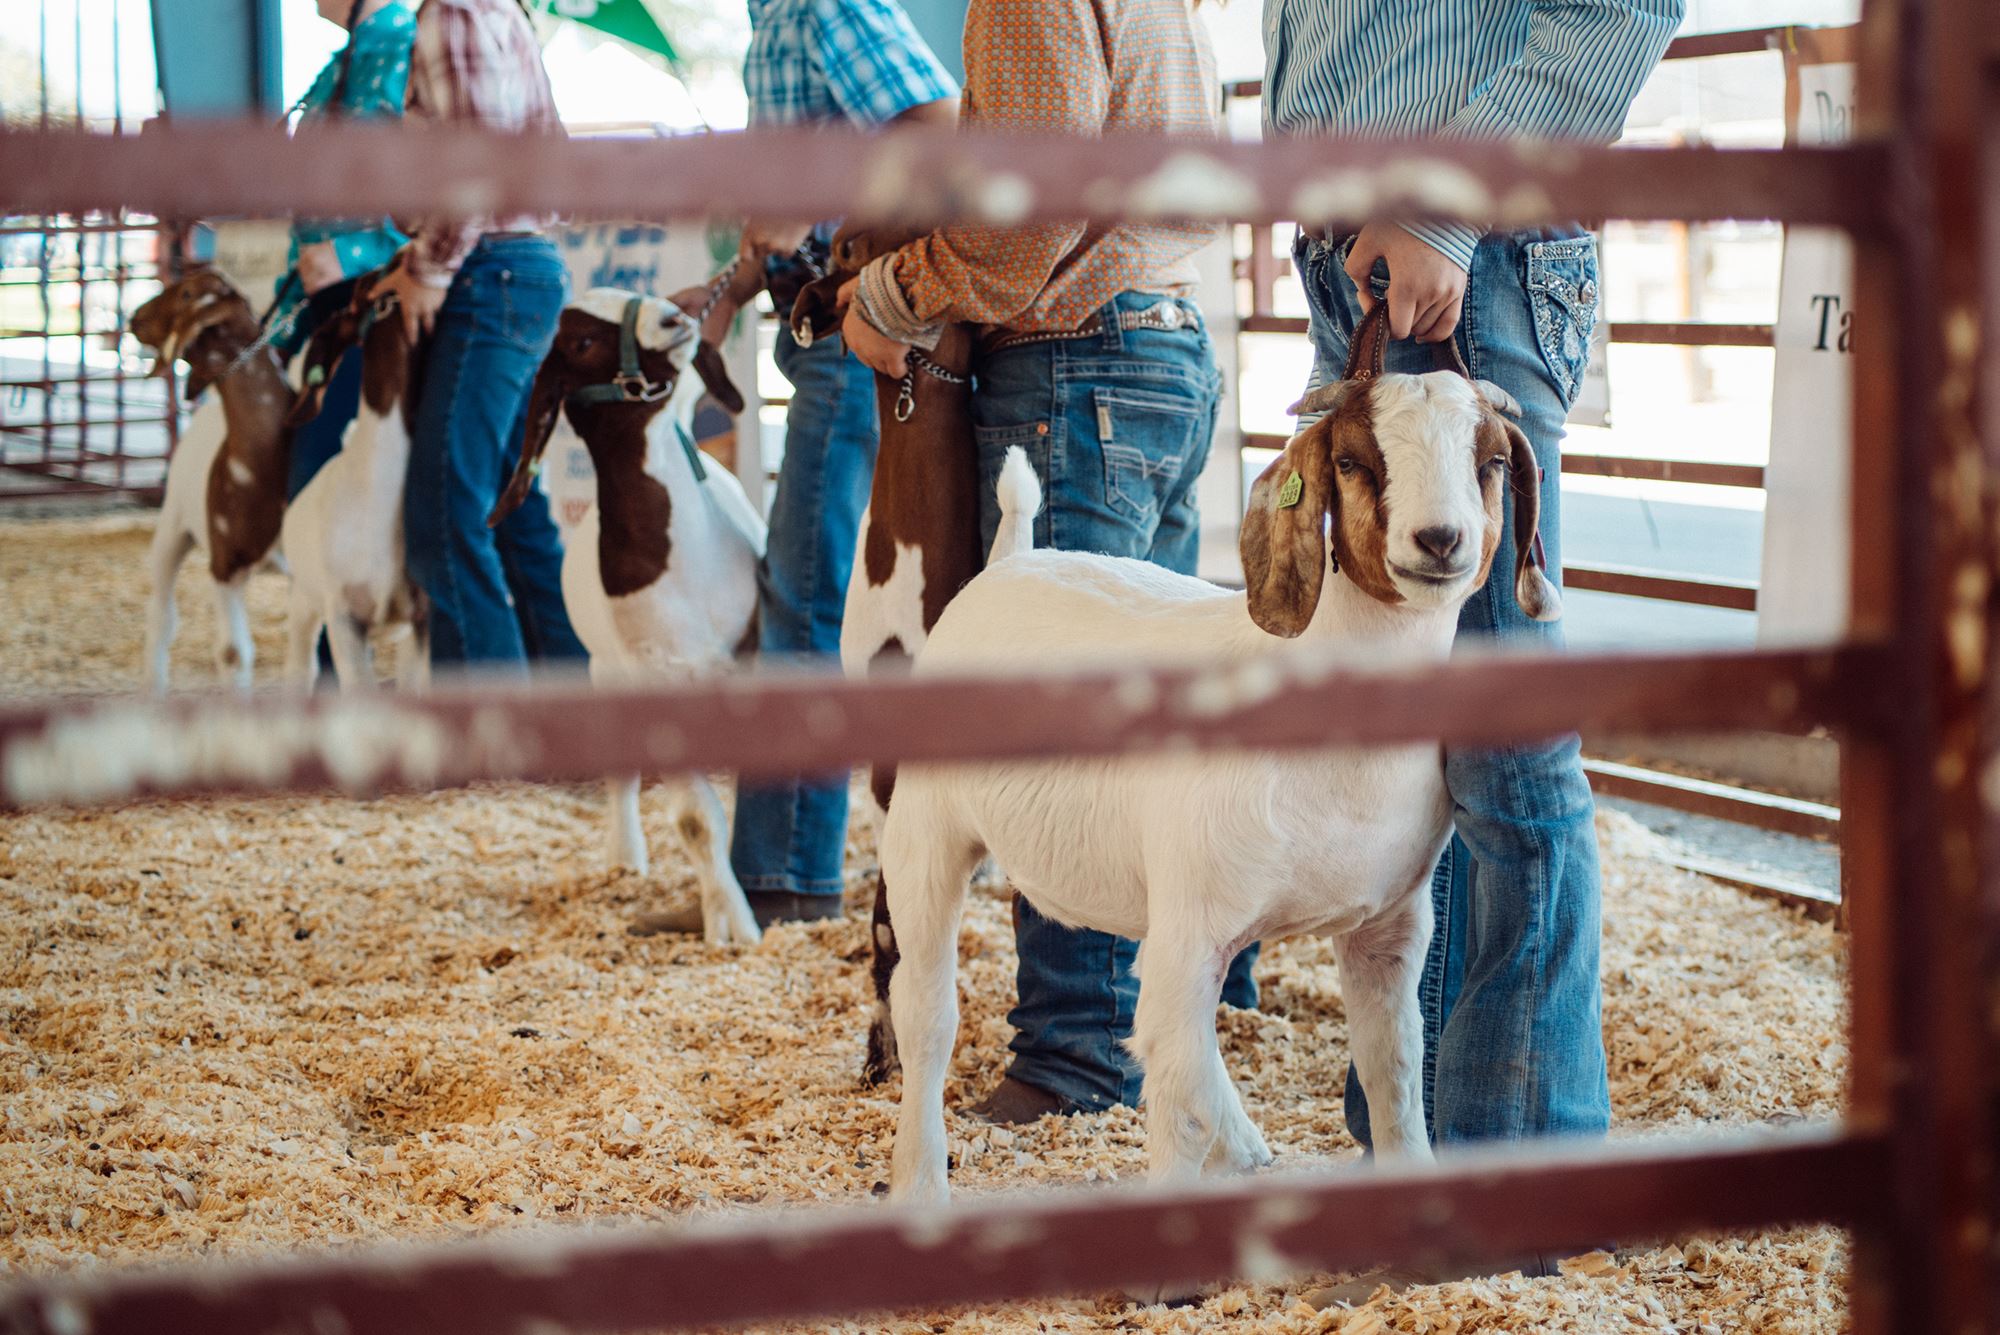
1020 494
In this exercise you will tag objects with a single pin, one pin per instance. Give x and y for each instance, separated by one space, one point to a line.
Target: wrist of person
882 304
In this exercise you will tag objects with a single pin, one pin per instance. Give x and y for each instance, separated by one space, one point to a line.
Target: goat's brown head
1408 475
201 319
587 356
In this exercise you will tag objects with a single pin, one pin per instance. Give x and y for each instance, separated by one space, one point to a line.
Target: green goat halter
630 385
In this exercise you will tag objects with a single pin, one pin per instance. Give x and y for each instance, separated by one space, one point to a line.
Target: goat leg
881 1062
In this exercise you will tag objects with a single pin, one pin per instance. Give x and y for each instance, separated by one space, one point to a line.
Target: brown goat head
200 318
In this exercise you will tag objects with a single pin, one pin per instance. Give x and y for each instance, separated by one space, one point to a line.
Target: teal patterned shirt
376 79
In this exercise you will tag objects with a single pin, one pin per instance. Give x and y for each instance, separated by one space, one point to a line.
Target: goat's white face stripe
658 318
1427 428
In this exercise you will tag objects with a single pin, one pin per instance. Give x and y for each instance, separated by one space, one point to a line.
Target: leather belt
1165 314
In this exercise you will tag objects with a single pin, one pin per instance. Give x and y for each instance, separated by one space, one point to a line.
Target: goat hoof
1165 1295
881 1062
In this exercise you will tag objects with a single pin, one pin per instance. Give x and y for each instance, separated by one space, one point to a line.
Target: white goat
226 482
343 534
660 577
1201 855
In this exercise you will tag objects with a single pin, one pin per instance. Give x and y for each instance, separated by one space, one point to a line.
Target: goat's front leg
1381 965
881 1062
628 836
235 651
725 910
353 663
1239 1146
302 627
413 657
1188 1097
170 547
927 863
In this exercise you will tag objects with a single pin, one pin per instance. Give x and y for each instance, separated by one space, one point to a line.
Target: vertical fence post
1923 857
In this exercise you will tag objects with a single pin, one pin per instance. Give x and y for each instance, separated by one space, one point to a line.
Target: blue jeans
1128 493
495 594
792 836
1513 1045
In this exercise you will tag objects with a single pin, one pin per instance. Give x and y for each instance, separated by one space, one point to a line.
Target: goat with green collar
660 575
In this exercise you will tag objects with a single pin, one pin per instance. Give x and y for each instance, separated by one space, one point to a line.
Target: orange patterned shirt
1070 67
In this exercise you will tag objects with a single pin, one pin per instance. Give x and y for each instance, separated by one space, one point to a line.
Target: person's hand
418 301
1426 290
319 266
761 240
876 349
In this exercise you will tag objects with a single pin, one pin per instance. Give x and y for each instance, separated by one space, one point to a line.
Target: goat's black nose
1440 540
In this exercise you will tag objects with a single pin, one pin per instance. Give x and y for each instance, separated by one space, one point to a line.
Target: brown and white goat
226 482
344 533
918 544
1366 537
660 578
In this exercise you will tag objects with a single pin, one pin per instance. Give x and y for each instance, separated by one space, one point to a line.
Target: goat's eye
1347 464
1491 467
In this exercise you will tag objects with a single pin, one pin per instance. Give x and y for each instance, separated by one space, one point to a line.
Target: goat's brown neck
247 481
926 492
633 507
255 400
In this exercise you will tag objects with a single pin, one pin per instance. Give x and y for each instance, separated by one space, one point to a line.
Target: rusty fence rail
1910 1170
924 175
807 1263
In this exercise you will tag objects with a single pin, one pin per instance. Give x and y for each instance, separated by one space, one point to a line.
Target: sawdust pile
232 1026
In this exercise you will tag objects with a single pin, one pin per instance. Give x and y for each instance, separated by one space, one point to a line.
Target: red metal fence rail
1911 1169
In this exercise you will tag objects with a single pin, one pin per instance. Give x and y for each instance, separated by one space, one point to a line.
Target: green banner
627 20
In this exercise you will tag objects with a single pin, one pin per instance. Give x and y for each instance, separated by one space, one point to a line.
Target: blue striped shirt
1546 69
831 61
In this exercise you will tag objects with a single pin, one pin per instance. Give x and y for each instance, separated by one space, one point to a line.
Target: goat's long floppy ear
817 312
714 373
335 335
544 402
1532 589
189 328
1283 541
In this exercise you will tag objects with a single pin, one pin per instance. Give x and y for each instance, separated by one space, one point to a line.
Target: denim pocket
1562 294
529 306
1146 440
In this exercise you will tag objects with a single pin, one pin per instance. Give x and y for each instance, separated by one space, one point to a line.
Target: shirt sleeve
1584 63
1030 65
377 71
441 88
877 65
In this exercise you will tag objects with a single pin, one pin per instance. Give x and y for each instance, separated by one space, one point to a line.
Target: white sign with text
1803 595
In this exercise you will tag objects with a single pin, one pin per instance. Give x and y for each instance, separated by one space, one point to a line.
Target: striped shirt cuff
1455 241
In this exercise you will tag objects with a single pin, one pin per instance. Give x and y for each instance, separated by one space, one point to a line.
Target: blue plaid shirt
855 61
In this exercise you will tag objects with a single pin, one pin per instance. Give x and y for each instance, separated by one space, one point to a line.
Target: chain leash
906 392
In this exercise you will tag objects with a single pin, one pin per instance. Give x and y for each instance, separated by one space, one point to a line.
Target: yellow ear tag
315 375
1288 495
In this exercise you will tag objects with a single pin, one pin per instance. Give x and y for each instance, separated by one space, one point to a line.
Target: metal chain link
906 392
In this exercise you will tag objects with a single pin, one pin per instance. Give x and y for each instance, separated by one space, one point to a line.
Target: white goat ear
1497 398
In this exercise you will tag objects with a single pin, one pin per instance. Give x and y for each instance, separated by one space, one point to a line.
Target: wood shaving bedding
230 1026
